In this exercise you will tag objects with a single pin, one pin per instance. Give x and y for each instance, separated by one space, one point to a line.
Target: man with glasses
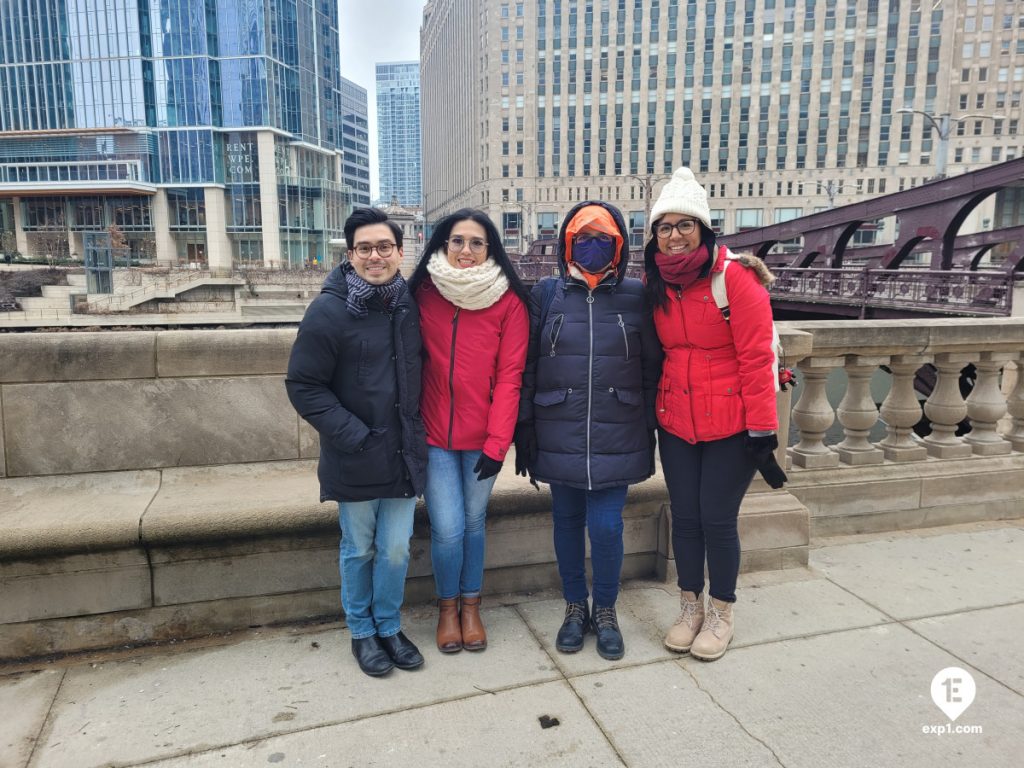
354 375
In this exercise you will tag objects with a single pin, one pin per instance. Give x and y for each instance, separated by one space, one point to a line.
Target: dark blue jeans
600 513
706 483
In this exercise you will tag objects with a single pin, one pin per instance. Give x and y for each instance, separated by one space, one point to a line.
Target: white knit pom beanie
682 195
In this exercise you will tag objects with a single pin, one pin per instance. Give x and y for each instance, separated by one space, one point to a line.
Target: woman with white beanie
716 404
475 329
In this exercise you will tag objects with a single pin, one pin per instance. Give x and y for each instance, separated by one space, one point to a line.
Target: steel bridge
820 271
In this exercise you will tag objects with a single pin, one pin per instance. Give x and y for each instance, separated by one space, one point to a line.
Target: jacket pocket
629 397
550 397
625 335
375 464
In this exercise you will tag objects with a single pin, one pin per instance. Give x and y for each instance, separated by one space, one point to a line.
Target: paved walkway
832 666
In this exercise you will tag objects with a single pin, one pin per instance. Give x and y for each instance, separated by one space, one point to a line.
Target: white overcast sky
375 31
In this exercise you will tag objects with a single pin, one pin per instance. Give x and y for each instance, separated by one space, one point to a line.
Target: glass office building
207 132
398 132
355 138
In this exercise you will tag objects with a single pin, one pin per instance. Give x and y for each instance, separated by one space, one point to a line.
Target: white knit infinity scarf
469 288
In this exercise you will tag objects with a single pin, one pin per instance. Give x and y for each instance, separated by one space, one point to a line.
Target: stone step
29 303
77 279
60 291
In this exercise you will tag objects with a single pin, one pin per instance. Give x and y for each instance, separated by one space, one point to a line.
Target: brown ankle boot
474 637
449 633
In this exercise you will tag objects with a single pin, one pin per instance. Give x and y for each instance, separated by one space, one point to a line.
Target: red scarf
681 270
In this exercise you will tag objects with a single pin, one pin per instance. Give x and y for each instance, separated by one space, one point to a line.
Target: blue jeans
457 505
600 512
374 560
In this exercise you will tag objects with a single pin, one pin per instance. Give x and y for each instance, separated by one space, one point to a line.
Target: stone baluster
813 414
945 408
901 411
1015 407
986 405
858 413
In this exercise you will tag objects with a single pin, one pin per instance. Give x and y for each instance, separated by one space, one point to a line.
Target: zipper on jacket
625 338
556 328
590 381
451 379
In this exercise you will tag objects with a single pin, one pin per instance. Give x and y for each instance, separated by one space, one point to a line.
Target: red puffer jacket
472 370
718 377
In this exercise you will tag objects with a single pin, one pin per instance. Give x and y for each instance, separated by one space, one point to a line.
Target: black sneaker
371 656
402 651
574 627
609 638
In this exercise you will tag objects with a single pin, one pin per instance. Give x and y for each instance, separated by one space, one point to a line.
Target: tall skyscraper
398 132
206 131
355 169
781 107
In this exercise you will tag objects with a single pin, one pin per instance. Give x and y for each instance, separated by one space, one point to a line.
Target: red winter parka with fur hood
718 377
472 371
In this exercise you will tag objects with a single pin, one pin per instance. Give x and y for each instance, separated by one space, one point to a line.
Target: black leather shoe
609 639
371 656
574 627
402 651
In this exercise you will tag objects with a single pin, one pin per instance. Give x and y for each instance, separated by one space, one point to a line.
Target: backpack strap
718 283
550 287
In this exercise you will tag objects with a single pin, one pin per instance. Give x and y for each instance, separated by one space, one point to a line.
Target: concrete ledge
102 559
223 353
899 496
33 357
54 516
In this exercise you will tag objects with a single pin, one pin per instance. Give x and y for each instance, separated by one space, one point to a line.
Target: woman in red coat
475 329
716 404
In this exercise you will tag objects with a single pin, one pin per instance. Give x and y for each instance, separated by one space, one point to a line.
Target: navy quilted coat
591 378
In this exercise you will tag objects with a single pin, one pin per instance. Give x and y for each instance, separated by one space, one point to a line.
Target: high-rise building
355 139
781 107
203 131
398 132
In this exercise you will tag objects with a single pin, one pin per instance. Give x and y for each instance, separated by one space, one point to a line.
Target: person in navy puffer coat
586 416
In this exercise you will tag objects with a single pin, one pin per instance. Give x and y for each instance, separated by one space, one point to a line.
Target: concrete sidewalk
831 666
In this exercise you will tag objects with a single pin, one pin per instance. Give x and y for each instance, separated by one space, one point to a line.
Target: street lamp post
942 127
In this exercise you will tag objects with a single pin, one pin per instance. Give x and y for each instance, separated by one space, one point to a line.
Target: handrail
171 281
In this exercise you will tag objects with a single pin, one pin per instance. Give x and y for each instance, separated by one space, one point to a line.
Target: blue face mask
593 254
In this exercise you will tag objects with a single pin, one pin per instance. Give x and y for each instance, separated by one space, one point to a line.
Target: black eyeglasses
363 250
684 227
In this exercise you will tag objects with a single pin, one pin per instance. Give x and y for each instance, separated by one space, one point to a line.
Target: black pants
706 483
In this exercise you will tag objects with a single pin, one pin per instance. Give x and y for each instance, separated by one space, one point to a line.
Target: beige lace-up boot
691 619
716 633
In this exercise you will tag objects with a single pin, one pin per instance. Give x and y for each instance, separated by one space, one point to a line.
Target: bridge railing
992 406
962 291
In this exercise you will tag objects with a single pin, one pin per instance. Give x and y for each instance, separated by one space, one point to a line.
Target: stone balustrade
902 347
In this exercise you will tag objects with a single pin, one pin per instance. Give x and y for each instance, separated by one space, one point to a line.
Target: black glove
761 449
486 467
526 447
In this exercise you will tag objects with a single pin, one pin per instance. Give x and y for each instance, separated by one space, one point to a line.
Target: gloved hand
525 440
486 467
761 449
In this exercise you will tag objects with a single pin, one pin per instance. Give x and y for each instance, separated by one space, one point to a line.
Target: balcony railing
961 292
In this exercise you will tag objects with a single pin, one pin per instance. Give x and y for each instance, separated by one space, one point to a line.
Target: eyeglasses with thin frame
458 243
593 237
684 227
384 249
